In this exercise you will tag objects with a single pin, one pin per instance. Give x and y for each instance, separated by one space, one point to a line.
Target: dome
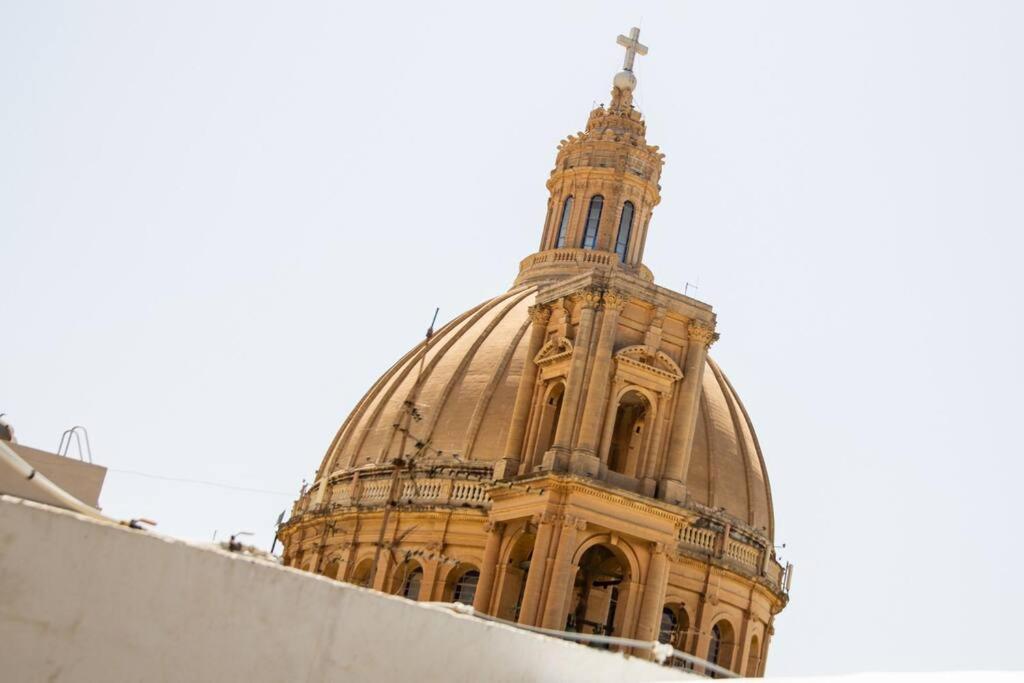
464 389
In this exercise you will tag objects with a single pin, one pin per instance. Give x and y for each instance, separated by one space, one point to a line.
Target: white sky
220 222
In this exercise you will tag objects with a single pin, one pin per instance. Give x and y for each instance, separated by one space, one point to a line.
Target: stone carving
540 314
658 363
554 349
614 300
588 298
701 333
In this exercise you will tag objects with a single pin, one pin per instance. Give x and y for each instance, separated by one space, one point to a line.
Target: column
769 632
509 465
431 569
684 421
654 594
584 459
588 300
739 664
535 576
562 574
489 566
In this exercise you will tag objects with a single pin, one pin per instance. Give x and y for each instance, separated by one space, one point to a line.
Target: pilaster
557 458
535 577
680 447
585 458
562 574
509 465
489 565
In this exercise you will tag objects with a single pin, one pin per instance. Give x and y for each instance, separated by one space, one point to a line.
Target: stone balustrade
747 557
554 258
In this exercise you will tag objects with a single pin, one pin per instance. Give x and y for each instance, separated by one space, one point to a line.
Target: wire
183 480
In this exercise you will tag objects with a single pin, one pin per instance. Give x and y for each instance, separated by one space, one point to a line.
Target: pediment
554 349
657 363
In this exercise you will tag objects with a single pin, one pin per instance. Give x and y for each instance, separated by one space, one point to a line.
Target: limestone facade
564 455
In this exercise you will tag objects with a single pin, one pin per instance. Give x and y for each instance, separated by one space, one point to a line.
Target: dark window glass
625 228
593 221
465 587
563 228
668 626
715 648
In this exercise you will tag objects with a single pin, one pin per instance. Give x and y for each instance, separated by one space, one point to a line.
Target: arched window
625 228
465 587
720 649
593 221
563 227
411 587
715 647
754 658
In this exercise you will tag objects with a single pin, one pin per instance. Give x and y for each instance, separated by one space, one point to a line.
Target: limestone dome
464 387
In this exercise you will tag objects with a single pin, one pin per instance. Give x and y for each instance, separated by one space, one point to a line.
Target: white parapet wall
81 600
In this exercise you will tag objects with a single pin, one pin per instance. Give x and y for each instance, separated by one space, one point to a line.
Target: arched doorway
516 569
628 433
548 424
599 592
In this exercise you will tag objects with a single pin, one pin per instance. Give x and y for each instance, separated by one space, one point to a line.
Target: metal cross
633 47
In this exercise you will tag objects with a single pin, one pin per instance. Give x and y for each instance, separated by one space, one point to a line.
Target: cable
183 480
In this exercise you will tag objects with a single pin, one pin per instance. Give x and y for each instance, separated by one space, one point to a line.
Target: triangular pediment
658 362
553 350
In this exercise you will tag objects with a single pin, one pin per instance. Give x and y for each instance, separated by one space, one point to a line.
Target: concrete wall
86 601
81 479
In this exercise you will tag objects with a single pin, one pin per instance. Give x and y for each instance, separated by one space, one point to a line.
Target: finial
624 82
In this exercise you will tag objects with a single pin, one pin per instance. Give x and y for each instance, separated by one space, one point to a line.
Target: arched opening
679 635
413 582
550 412
625 228
513 586
721 646
361 573
754 658
593 222
628 433
461 584
602 578
668 628
331 569
563 226
406 579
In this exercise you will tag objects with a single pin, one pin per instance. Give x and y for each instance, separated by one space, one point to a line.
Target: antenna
689 285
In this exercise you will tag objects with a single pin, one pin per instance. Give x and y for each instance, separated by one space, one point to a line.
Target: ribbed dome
464 388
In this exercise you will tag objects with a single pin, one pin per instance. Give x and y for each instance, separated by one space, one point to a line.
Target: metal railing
661 652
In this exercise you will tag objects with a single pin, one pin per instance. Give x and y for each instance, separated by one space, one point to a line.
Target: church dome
464 387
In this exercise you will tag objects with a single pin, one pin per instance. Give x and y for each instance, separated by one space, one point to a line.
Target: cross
633 47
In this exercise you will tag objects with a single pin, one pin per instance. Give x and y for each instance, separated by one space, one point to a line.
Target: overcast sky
221 221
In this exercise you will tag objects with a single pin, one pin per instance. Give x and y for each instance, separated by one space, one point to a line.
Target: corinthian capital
614 300
701 333
588 298
540 314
